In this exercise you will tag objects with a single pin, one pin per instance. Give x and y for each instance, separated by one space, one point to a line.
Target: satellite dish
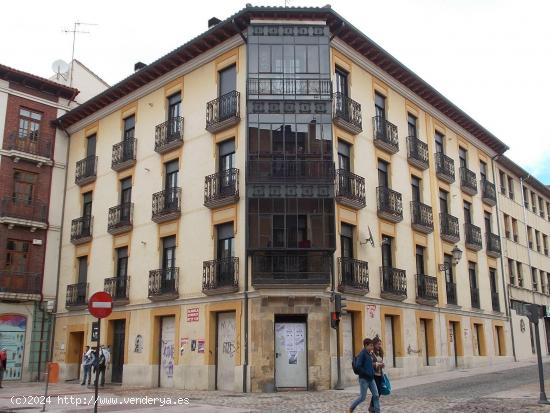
60 66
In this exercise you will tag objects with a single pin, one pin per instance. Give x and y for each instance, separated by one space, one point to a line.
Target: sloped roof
522 173
240 20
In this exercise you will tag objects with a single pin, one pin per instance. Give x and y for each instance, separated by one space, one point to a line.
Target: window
439 142
344 156
511 269
541 207
519 273
379 105
530 236
87 204
126 190
174 106
515 229
387 259
122 262
412 125
487 218
507 232
545 243
90 145
472 275
83 269
17 256
443 201
463 157
526 197
502 179
171 170
548 210
346 240
23 186
534 278
415 188
449 275
542 282
493 280
226 155
420 260
483 170
534 202
168 252
511 187
227 80
383 173
129 127
226 245
467 212
537 241
341 81
29 124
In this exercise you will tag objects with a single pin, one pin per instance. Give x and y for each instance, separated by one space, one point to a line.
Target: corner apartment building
224 192
32 178
524 204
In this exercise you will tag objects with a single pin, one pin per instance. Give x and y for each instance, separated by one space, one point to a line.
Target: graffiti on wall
167 356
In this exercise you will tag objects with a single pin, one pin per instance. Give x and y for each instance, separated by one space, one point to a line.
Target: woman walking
378 364
365 370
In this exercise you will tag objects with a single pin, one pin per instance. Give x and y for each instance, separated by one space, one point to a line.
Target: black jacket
365 366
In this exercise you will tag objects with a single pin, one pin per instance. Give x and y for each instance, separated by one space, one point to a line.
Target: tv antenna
74 31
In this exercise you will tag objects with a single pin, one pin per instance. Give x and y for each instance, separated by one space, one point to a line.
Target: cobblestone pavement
514 390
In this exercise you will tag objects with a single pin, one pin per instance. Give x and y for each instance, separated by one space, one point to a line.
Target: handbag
385 387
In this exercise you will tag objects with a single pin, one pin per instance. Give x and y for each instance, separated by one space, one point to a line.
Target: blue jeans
87 373
363 386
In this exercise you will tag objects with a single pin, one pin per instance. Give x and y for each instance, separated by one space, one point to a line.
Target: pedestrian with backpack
378 360
363 366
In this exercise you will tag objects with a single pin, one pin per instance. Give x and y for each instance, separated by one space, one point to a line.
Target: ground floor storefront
289 343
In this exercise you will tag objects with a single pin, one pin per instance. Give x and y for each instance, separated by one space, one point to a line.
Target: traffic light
339 304
334 319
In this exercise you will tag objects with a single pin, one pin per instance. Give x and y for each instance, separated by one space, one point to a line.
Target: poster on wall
200 347
12 337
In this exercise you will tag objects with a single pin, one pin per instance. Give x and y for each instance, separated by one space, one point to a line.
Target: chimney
213 21
139 66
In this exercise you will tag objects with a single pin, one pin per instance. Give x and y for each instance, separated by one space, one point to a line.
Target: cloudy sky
489 57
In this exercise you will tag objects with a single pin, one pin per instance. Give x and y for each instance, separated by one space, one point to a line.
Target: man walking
87 362
365 370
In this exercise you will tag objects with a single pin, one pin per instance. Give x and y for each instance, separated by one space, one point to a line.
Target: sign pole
96 383
534 313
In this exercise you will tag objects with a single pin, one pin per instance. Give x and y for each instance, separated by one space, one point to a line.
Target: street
510 388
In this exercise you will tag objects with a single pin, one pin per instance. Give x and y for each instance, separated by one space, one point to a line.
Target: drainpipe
245 364
503 277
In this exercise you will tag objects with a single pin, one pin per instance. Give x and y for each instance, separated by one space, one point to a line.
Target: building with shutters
226 191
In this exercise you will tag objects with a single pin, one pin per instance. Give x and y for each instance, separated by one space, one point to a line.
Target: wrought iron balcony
468 181
444 167
86 170
77 296
31 147
124 154
290 86
474 295
450 230
417 153
495 301
166 205
422 217
19 284
81 230
169 135
390 206
119 288
291 269
393 283
385 135
426 289
488 192
473 237
220 276
493 245
346 113
221 188
21 212
353 276
163 284
450 289
223 112
120 218
350 189
269 170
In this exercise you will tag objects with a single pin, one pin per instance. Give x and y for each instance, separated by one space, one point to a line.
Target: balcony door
380 107
29 124
87 204
467 212
487 219
225 251
420 260
90 145
174 113
387 259
125 199
121 272
168 277
463 156
129 128
171 172
82 269
23 187
415 189
443 201
342 92
483 170
346 247
226 162
411 125
344 165
17 257
439 143
227 84
383 174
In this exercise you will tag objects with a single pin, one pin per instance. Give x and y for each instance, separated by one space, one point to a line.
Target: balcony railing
268 170
220 276
223 112
17 282
163 284
493 245
350 189
444 167
19 211
474 295
119 288
393 283
468 181
124 154
390 205
422 217
473 237
289 86
346 113
450 289
31 144
86 170
353 276
221 188
450 230
77 295
169 135
495 301
293 269
120 218
166 205
488 192
385 134
426 289
81 230
417 152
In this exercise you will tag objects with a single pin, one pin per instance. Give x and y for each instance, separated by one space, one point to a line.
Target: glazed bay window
28 138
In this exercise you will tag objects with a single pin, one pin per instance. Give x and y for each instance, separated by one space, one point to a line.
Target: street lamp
457 255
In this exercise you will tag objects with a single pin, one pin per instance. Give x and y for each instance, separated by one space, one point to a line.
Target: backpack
355 365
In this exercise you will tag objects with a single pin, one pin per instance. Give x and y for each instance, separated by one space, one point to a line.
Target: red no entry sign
100 304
